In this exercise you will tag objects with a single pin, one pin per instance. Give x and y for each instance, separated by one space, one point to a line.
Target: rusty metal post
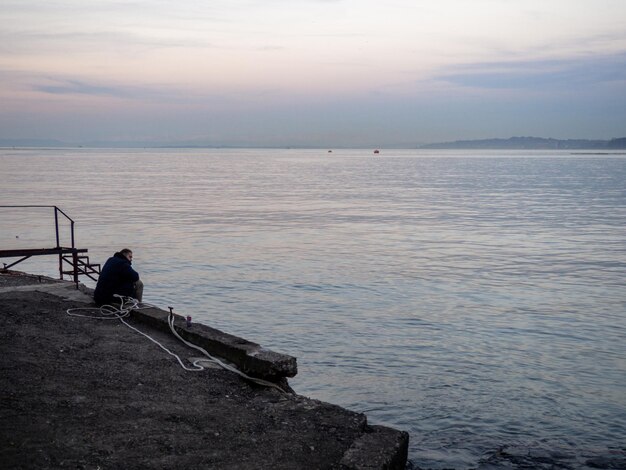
56 224
72 225
75 266
56 231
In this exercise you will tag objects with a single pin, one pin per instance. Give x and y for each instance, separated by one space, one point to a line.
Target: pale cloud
75 87
247 63
541 75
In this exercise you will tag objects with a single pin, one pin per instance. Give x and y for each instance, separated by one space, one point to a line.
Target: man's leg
138 290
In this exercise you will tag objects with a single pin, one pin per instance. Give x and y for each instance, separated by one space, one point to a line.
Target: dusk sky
312 72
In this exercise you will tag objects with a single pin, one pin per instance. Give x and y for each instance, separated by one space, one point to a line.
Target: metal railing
78 265
56 220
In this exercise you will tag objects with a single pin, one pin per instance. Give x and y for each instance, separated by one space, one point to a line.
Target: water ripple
473 299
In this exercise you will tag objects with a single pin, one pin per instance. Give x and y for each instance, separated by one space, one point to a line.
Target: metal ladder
78 262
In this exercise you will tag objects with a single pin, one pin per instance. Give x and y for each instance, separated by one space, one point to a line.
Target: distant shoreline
598 153
511 143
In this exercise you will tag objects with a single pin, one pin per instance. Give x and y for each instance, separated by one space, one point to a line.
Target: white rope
217 361
127 304
111 312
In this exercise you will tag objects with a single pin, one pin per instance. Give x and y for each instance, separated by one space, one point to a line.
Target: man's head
127 253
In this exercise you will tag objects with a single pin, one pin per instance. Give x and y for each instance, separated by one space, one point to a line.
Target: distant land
532 143
512 143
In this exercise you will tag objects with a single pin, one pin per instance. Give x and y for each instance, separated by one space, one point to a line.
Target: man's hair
125 251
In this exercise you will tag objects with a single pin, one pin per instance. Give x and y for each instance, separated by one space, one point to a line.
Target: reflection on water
473 299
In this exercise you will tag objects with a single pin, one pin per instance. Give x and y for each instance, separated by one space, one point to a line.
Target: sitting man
118 277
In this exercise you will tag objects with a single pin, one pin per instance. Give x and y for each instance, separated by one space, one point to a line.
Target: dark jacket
116 277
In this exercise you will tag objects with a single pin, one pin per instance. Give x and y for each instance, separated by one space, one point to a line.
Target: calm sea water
474 299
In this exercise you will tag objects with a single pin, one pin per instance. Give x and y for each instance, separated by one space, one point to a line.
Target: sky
311 72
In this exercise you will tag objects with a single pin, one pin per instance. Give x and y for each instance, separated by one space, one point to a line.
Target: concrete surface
85 393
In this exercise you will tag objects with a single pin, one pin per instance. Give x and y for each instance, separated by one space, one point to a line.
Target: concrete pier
85 393
249 357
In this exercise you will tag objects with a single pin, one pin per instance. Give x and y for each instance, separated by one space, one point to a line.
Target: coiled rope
127 304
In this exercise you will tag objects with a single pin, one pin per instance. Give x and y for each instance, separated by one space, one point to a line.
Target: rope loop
128 304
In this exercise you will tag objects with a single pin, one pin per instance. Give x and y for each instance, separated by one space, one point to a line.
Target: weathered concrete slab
120 405
82 393
64 289
249 357
378 448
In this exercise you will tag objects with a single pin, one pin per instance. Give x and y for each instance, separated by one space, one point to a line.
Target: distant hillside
532 143
617 143
512 143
